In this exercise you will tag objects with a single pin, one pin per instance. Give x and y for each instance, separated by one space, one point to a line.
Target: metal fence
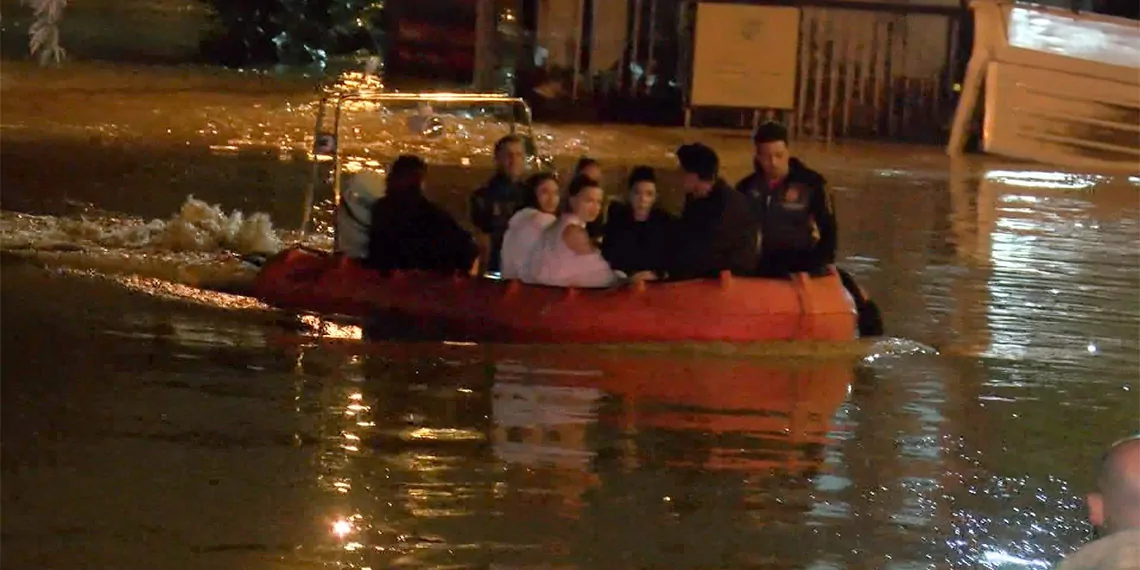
869 70
876 74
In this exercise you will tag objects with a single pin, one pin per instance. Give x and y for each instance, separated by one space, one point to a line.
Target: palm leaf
43 35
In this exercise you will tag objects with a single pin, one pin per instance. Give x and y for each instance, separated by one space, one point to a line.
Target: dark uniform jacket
491 209
797 220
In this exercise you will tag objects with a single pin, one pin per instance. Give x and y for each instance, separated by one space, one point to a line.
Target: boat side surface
730 309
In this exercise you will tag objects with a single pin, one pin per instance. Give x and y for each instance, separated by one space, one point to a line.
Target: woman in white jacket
539 211
566 256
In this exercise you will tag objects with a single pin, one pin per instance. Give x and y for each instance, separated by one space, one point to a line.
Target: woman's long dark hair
530 188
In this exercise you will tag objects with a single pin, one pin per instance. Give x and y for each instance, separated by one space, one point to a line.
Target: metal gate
874 74
865 70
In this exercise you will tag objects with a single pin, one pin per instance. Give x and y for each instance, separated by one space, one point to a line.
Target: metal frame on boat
326 137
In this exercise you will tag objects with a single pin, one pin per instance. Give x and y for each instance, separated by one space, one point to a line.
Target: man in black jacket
409 232
495 202
798 230
792 205
716 230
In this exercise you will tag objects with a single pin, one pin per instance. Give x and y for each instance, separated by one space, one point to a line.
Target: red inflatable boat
730 309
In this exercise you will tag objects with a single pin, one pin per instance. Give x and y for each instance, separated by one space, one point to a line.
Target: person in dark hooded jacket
798 229
410 232
798 232
716 231
637 233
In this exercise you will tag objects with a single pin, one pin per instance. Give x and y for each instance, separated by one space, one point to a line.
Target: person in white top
539 211
565 255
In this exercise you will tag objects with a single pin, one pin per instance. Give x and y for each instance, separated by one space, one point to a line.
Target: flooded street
147 420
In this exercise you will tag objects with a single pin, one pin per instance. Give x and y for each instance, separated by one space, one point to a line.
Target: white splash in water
896 347
197 227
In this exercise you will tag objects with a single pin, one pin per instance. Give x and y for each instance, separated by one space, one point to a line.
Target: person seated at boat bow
409 232
494 203
637 232
716 231
565 255
540 211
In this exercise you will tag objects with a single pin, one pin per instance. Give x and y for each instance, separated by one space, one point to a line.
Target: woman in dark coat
637 233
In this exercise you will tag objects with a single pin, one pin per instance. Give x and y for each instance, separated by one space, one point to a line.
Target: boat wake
199 246
201 254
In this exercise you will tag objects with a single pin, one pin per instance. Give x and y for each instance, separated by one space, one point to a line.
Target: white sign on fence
745 56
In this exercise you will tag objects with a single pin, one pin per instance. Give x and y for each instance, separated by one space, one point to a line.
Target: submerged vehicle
735 309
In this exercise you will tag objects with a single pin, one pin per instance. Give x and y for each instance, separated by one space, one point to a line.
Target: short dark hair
641 173
699 159
407 170
770 131
503 142
585 162
530 197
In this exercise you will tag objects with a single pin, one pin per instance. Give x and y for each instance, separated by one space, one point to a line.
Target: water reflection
317 327
441 454
1027 234
329 451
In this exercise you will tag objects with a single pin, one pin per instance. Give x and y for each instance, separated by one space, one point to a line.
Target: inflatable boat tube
729 309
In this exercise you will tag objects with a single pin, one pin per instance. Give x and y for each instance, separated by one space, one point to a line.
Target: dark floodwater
147 424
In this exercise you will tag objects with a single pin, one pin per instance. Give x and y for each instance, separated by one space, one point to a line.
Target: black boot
870 318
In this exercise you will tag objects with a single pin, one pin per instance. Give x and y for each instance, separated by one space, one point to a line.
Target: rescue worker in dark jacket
798 230
716 231
493 204
410 232
792 205
637 233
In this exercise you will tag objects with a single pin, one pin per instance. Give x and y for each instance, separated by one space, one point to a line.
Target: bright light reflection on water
1044 180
